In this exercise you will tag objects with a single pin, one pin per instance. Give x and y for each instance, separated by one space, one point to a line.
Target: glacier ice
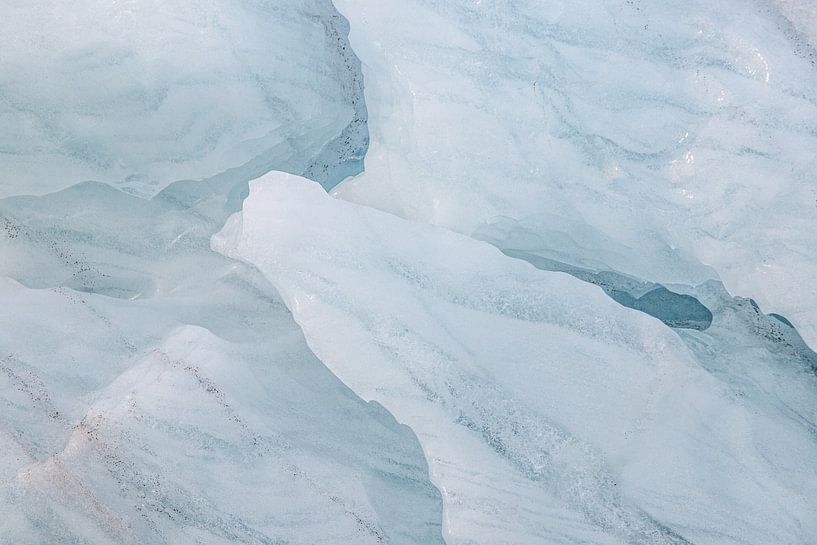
672 141
674 309
531 384
538 317
121 425
151 390
141 94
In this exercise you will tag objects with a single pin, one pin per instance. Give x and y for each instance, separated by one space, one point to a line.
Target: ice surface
548 412
141 94
191 438
573 159
670 141
674 309
152 391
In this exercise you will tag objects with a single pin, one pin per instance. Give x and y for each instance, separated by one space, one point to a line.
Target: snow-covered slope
548 412
674 141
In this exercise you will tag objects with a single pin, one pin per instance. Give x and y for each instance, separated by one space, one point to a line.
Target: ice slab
548 413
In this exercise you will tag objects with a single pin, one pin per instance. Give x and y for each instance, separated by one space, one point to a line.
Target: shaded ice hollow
575 350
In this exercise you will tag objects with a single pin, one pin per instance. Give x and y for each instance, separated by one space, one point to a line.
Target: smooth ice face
548 413
141 94
669 141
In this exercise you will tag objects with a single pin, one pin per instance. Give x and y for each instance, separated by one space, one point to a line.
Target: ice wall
122 424
153 390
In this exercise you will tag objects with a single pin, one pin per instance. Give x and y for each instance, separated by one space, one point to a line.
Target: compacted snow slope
674 141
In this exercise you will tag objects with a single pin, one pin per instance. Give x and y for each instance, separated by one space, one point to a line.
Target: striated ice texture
671 141
548 412
140 94
569 301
